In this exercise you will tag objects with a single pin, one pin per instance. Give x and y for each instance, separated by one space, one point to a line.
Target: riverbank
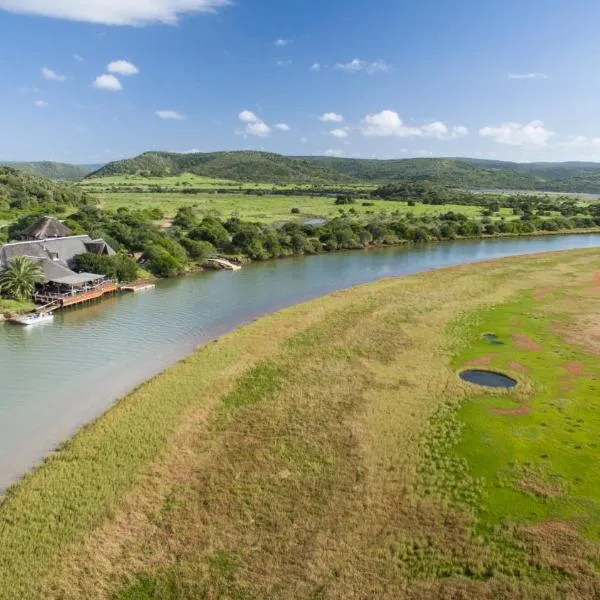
289 456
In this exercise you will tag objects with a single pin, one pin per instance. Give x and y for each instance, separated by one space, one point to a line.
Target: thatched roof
46 227
54 254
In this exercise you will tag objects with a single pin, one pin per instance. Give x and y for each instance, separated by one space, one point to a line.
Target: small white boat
32 318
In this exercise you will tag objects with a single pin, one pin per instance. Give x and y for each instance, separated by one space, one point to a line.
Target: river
56 377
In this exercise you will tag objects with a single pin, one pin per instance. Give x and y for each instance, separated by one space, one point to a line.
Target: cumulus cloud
315 67
248 117
114 12
107 82
331 117
122 67
388 123
527 76
282 42
518 134
339 133
52 75
334 152
282 126
259 129
40 103
358 65
172 115
255 125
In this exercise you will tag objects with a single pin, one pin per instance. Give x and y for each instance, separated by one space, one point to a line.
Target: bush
295 211
119 267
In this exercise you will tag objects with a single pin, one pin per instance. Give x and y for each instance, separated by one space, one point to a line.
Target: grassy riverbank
331 451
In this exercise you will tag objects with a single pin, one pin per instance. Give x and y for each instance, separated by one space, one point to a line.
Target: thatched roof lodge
45 228
54 255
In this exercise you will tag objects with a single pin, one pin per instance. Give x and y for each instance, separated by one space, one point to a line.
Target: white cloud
282 42
316 67
527 76
339 133
358 65
304 140
40 103
248 117
107 82
52 75
331 117
169 115
259 129
334 152
282 126
78 58
27 90
122 67
517 134
114 12
283 63
388 123
255 125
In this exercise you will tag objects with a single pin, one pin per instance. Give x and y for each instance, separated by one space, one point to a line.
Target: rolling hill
21 190
265 167
53 170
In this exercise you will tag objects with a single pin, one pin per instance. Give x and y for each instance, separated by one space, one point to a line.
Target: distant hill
263 167
53 170
24 191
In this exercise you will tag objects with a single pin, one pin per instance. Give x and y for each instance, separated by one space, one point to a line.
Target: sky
90 81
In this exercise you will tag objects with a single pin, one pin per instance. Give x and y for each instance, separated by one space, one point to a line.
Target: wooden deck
72 299
224 264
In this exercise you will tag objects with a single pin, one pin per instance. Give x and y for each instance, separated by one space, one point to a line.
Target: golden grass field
330 451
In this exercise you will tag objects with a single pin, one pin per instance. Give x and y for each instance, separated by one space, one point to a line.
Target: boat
32 318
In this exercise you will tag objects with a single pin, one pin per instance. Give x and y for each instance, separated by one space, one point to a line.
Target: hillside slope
52 170
19 190
263 167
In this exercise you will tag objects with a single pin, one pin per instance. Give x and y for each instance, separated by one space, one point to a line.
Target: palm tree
19 277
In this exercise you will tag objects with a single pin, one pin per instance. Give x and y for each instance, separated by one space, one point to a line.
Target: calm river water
58 376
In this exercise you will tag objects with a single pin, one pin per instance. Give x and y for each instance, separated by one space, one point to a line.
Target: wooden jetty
53 300
138 287
224 264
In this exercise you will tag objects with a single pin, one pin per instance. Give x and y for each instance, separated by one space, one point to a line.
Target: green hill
23 191
52 170
260 167
263 167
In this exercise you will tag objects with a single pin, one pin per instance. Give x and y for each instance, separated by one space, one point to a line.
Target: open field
331 451
189 180
269 209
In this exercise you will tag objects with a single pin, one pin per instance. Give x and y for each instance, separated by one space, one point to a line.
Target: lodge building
51 244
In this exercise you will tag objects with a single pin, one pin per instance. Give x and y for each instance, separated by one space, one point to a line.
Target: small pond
488 378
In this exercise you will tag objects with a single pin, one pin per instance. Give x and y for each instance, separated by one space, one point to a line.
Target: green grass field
189 180
332 451
269 209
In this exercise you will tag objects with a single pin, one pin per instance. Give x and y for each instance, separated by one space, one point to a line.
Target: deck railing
107 285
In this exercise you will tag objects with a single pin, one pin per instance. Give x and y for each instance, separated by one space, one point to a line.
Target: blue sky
96 80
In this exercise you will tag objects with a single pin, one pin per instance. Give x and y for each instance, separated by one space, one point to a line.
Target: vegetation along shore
331 450
163 225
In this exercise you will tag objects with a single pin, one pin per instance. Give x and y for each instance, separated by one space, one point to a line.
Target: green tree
19 277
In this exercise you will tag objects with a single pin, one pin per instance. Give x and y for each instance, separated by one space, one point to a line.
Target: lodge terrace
61 287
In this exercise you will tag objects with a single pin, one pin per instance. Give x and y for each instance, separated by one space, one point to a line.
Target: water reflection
53 379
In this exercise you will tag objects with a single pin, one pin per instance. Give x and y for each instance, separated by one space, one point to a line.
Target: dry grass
293 464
